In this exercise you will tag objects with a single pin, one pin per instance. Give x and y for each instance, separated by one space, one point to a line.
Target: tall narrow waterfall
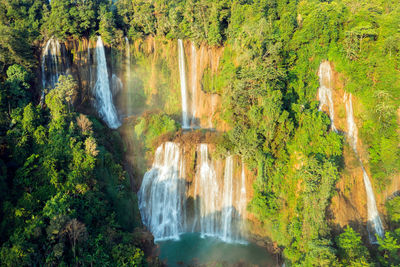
219 201
325 90
182 75
194 84
104 100
162 194
227 205
374 220
50 64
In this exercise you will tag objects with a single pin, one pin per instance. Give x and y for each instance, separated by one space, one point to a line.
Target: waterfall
194 83
213 210
50 64
227 208
325 91
161 193
207 189
164 192
104 100
374 220
182 75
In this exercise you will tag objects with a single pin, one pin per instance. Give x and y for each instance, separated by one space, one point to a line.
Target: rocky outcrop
349 206
148 70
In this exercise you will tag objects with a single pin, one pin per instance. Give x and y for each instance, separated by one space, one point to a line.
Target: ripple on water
192 250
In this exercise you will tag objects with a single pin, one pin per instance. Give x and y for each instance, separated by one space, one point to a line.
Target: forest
67 198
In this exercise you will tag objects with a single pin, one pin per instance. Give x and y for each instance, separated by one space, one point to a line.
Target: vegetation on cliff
66 200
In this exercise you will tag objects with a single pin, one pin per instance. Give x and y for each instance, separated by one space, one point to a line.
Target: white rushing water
325 90
50 64
227 205
164 191
104 100
374 220
194 84
161 194
207 191
182 75
215 214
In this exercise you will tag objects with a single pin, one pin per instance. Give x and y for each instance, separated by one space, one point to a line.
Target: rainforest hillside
301 95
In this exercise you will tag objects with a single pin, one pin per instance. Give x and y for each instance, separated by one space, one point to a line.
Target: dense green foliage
152 125
66 200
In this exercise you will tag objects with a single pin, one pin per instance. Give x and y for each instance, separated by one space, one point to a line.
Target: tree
76 232
390 248
351 250
59 100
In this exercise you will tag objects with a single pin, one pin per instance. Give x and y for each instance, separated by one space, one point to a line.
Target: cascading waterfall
161 194
50 64
194 83
374 220
227 208
104 100
182 75
325 92
164 191
207 190
214 210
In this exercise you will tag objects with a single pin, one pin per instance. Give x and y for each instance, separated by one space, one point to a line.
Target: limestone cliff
349 206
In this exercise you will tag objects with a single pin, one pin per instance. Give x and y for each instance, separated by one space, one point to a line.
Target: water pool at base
192 250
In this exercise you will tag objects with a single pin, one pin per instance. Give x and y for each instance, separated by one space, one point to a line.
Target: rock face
143 75
349 206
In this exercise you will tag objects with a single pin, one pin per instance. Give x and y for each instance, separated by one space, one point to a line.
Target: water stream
182 75
194 84
219 201
162 194
325 90
104 99
50 65
325 98
374 220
